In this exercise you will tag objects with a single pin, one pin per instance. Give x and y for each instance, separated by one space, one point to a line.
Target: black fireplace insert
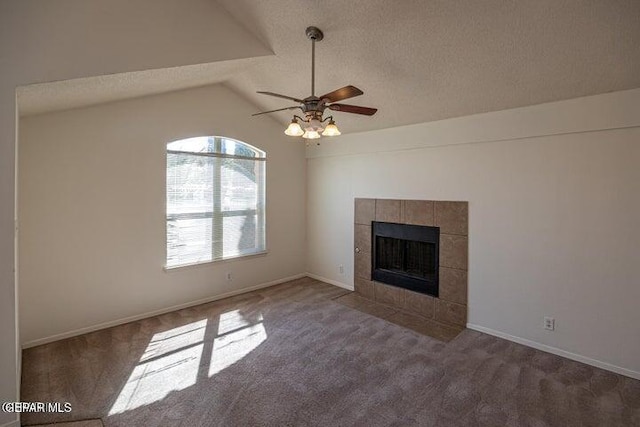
406 256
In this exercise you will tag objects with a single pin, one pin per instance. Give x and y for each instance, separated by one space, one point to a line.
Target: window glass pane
189 241
237 148
240 235
239 184
200 144
229 147
190 183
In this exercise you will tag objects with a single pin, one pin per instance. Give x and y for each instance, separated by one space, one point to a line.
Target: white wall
553 219
92 209
63 39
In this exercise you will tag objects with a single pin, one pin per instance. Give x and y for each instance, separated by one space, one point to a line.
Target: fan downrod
314 33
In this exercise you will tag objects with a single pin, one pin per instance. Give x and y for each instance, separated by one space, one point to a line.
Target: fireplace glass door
406 256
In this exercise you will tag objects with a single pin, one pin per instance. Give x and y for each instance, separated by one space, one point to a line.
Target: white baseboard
331 282
557 351
93 328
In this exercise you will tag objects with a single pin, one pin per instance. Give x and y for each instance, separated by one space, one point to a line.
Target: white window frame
218 214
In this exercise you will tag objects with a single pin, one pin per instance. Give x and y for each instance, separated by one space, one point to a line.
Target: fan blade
279 109
342 93
281 96
353 109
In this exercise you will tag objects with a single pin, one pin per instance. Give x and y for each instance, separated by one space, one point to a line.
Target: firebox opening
406 256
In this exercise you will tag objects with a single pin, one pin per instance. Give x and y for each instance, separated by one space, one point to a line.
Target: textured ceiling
416 61
67 94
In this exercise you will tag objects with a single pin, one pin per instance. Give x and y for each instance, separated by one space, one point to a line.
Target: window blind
215 201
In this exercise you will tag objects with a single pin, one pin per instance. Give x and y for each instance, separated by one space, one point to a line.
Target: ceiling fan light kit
311 126
331 129
294 128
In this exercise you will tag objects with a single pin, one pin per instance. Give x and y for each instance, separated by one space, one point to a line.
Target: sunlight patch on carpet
231 347
169 363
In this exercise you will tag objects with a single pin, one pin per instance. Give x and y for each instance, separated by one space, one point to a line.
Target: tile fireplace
442 253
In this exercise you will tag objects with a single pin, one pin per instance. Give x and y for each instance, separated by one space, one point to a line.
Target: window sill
172 268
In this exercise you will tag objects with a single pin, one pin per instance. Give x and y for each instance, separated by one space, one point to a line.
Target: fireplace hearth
406 256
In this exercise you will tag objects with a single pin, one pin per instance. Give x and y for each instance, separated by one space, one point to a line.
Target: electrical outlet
229 277
341 269
549 323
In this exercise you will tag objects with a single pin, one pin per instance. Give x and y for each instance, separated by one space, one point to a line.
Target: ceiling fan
313 106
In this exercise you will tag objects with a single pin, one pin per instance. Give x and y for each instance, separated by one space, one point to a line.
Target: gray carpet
83 423
290 355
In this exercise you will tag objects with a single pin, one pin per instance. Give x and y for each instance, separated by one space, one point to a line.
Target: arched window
215 200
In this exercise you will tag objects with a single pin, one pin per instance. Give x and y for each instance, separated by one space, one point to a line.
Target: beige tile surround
450 308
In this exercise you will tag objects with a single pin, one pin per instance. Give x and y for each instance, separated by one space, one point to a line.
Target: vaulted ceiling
415 60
